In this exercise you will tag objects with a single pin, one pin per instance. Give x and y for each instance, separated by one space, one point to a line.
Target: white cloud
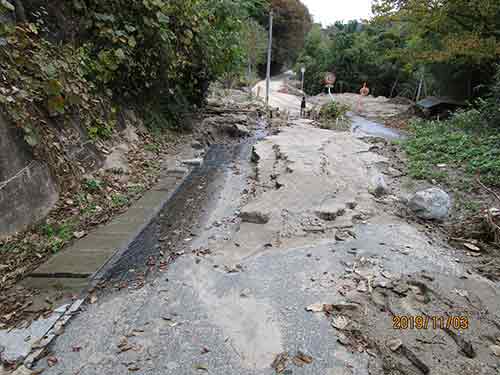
329 11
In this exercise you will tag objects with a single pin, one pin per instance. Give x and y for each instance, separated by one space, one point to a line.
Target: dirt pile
379 109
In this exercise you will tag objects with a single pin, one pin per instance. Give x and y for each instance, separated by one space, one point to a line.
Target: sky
329 11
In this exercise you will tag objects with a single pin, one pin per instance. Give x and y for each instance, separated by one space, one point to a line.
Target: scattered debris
193 162
93 298
280 362
394 344
495 349
205 350
201 367
472 247
301 359
52 361
340 322
124 345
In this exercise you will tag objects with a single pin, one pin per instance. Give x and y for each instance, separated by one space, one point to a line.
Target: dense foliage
158 55
292 22
411 47
166 53
356 53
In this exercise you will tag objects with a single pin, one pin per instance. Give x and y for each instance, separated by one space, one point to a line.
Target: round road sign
330 79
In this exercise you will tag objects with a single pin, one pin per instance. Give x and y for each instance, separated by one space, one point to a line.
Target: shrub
333 111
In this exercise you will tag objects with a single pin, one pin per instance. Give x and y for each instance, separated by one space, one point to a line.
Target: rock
430 204
241 130
22 370
378 186
351 205
362 287
340 322
197 145
130 134
330 212
193 162
255 216
394 344
495 349
472 247
316 307
233 130
342 235
117 160
179 170
255 156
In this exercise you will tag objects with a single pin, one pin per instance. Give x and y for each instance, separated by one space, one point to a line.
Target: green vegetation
465 143
292 22
156 55
57 235
444 47
332 115
333 110
92 185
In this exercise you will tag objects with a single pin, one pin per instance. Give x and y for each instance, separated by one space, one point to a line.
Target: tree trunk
20 13
394 88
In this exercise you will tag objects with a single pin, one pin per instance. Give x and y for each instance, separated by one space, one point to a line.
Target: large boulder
430 204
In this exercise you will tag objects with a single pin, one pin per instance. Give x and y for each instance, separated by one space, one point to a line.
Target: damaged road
294 258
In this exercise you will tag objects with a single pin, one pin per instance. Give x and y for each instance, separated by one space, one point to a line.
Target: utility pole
269 49
303 71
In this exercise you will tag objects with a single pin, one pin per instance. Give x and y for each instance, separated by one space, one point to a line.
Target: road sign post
330 79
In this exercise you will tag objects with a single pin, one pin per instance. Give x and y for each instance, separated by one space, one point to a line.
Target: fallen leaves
281 361
93 298
124 345
52 361
302 359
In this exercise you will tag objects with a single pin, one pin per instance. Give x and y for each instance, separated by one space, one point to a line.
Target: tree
458 37
292 22
255 45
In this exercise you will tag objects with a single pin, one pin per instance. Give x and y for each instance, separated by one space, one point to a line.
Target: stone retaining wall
27 190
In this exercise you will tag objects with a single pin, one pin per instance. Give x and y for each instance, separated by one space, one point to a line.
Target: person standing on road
365 91
303 107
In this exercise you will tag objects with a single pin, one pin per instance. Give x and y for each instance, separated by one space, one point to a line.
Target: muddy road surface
291 258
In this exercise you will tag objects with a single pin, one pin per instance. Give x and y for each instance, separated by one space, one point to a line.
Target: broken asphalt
258 244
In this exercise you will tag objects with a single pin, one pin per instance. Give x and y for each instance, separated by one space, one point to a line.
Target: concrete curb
63 314
103 271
